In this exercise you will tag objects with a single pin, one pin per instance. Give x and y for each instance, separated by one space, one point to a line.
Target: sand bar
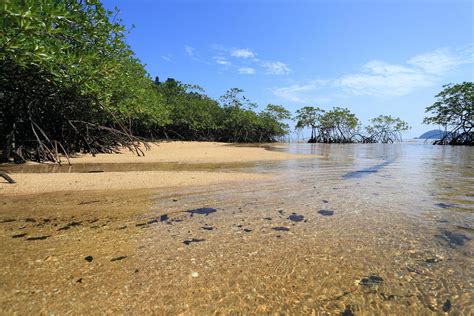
191 153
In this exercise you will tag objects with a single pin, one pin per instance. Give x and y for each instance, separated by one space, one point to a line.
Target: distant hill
433 134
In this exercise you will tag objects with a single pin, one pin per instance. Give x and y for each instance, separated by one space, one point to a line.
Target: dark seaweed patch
7 221
267 218
247 230
202 211
281 228
296 218
153 221
164 218
454 239
326 212
187 242
207 227
325 201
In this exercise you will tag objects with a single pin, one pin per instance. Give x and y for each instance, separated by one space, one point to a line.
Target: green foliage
309 116
454 111
338 125
67 77
386 129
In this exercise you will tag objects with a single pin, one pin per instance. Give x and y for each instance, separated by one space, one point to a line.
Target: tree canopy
70 83
454 111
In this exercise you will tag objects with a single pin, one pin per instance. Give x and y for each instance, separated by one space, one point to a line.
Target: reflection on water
366 229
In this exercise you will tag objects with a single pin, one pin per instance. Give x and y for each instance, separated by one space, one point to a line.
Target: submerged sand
172 155
346 235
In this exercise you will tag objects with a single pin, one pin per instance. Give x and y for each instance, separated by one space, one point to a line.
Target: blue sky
374 57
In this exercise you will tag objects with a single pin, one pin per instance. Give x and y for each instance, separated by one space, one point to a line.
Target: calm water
366 229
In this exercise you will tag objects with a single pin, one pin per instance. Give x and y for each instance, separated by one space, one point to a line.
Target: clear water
366 229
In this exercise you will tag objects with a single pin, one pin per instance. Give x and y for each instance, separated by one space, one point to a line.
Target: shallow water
366 229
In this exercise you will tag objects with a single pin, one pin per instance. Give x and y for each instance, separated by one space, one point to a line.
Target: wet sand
363 231
168 164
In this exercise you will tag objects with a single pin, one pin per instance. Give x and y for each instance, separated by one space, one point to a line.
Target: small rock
118 258
38 238
194 274
281 228
326 212
19 235
89 258
447 306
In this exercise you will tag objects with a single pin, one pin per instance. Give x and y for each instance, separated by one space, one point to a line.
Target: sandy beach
133 172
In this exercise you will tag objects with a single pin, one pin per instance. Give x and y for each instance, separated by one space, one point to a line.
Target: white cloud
166 58
247 70
379 78
441 61
242 53
275 67
222 61
295 92
190 50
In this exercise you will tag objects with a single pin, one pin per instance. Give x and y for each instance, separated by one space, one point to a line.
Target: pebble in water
326 212
296 218
38 238
187 242
202 211
118 258
444 205
69 225
19 235
89 258
447 306
281 229
372 280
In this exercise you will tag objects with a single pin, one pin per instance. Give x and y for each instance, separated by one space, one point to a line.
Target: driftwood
4 175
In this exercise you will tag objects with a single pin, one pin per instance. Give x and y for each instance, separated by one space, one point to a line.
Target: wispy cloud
245 61
168 59
242 53
380 78
275 67
190 51
247 70
222 61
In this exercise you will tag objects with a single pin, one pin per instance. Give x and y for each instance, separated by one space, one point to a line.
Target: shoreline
170 164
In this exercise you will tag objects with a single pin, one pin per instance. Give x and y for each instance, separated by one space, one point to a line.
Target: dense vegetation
69 83
340 125
454 111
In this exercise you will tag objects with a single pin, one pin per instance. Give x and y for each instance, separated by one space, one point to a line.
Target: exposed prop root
4 175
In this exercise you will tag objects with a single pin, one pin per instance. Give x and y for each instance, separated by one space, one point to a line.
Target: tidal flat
348 229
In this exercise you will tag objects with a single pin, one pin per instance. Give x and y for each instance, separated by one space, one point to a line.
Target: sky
373 57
